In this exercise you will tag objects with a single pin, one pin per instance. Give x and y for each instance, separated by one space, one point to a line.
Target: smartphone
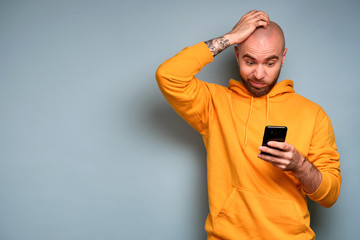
274 133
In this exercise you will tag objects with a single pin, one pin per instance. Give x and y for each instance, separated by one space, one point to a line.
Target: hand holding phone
273 133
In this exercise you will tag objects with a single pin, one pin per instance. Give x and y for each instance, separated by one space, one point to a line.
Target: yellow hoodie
250 198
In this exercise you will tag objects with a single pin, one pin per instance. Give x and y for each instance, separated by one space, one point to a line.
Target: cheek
274 72
245 70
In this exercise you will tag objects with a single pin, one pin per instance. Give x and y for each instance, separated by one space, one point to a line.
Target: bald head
272 32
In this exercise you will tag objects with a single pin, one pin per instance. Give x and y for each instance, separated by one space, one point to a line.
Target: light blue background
89 148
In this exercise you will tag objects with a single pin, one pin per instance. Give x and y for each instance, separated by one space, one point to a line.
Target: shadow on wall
168 127
315 216
166 122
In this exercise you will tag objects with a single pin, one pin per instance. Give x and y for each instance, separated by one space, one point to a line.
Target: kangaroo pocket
249 215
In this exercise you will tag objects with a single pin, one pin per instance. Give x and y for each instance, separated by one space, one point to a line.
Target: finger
257 18
276 144
277 162
257 21
282 167
275 152
268 157
245 18
265 16
261 23
272 159
260 15
257 15
284 146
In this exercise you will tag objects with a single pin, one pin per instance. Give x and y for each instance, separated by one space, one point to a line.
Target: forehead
261 47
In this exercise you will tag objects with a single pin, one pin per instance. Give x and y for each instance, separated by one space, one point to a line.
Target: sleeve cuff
202 53
322 190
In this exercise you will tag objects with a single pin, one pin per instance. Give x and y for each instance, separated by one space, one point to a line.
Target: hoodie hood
279 90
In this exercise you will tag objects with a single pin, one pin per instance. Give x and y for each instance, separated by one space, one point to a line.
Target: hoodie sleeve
189 96
323 154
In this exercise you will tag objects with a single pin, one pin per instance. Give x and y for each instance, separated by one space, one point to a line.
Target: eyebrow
272 57
267 59
248 56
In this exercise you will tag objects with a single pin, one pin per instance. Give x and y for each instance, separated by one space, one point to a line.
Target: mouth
257 84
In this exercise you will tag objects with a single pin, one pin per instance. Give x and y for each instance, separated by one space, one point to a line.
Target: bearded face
259 87
260 58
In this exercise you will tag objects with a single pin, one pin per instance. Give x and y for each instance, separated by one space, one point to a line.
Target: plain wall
89 148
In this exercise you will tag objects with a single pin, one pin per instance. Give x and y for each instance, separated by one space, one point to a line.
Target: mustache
254 79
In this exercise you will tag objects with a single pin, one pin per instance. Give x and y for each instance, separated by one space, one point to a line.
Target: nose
259 72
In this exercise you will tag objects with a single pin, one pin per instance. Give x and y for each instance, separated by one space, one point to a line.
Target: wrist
308 175
302 166
228 37
217 45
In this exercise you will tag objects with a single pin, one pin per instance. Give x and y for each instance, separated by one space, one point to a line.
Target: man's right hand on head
246 26
242 30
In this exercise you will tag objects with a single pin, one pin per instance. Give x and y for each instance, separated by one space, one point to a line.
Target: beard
255 91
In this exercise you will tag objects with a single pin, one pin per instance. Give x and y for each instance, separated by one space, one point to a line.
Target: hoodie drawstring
267 109
247 123
249 116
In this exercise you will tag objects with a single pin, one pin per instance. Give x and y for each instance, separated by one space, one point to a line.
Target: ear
236 53
284 55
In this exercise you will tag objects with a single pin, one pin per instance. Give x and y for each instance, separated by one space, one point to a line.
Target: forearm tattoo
217 45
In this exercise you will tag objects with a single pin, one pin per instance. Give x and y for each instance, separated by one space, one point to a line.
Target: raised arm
241 31
189 96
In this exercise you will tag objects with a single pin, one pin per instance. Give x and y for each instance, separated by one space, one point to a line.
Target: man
253 195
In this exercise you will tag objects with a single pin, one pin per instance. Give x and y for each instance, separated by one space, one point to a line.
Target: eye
270 64
250 63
